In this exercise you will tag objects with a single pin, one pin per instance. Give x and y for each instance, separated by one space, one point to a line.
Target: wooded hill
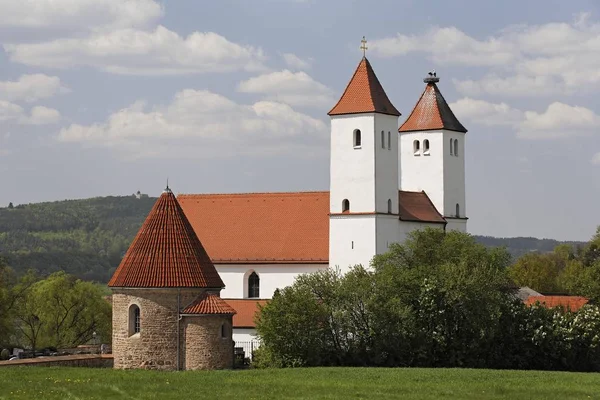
88 238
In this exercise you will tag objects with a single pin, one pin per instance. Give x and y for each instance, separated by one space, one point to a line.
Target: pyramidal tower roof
432 112
166 253
364 94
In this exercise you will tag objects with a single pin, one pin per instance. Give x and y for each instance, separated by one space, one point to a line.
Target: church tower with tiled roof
167 312
363 171
432 156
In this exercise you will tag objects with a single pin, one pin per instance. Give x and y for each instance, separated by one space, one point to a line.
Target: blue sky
107 97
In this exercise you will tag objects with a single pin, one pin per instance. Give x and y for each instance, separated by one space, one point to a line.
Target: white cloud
38 115
523 60
78 15
30 88
559 120
294 88
293 61
131 51
200 122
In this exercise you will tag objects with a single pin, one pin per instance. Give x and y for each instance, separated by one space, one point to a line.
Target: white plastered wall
272 276
351 240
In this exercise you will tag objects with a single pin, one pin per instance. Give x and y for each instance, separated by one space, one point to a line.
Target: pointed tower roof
432 112
364 94
166 253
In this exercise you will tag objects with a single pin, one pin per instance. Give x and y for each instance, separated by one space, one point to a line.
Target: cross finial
363 46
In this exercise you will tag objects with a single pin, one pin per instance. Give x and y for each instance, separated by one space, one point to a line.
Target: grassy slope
315 383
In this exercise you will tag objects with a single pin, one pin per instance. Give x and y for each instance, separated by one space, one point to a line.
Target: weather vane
363 46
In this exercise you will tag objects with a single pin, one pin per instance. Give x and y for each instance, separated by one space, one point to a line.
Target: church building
192 280
384 183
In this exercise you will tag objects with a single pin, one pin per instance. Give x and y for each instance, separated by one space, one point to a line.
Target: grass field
46 383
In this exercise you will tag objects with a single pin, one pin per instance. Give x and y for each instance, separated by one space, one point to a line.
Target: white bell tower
432 154
364 172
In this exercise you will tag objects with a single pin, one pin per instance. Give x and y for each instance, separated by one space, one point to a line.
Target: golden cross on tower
363 46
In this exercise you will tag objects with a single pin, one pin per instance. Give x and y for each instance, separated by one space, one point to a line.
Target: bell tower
363 172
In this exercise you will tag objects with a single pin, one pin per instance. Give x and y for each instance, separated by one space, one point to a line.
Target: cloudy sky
107 97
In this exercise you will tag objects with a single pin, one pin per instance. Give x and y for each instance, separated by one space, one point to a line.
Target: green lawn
46 383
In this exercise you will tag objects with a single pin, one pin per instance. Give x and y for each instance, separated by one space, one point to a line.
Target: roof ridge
240 194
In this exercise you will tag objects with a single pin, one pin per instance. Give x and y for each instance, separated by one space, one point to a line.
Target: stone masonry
205 347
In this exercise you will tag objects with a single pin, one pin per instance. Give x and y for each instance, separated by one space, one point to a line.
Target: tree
10 206
537 271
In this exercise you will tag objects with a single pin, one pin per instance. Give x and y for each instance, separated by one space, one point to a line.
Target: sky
108 97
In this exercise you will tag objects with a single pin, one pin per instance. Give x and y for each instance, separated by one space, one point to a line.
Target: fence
245 349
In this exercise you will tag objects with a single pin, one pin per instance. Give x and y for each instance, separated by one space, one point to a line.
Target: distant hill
89 237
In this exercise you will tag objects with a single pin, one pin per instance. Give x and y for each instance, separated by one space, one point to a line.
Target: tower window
224 331
456 147
389 206
346 205
389 140
417 148
253 285
357 138
426 147
451 147
382 139
457 210
134 320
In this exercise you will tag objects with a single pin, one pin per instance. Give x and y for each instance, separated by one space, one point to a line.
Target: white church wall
454 175
352 240
388 231
456 225
272 276
420 171
386 163
244 335
352 168
407 227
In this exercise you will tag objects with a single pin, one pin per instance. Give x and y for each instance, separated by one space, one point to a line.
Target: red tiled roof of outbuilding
364 94
246 310
209 303
166 252
431 112
568 303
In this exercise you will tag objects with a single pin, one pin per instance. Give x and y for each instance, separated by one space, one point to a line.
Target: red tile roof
569 303
208 303
277 228
246 310
431 113
166 252
261 227
417 207
364 94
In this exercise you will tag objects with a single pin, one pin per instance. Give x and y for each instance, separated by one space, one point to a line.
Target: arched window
224 331
346 205
426 146
382 139
456 147
451 147
389 140
134 320
457 210
416 148
253 285
389 206
357 138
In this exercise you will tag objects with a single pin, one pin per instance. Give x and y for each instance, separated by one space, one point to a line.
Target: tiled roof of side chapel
364 94
166 252
432 112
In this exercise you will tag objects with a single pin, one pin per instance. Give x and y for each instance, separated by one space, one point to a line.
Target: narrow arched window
382 139
346 205
426 146
389 206
224 331
357 138
134 320
416 148
253 285
456 147
389 140
457 210
451 147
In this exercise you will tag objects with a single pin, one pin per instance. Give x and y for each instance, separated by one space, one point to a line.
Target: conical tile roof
364 94
209 303
432 112
166 253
